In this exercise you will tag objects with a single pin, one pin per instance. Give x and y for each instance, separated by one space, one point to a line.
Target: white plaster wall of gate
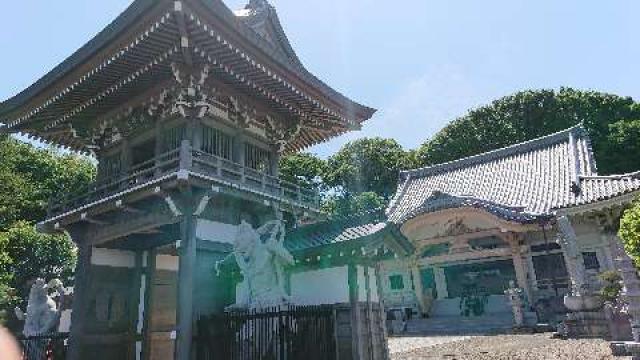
113 258
215 231
322 286
167 262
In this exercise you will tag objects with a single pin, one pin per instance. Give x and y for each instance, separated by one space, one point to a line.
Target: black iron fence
289 333
44 347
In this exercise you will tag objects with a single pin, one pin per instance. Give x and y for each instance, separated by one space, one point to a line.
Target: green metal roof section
367 230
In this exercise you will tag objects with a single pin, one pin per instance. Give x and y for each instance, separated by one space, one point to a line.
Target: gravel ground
410 343
525 347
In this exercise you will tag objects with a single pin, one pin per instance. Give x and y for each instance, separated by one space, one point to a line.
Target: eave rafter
245 63
113 88
92 74
178 35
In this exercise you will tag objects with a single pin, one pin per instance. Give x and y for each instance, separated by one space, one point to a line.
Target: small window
396 282
590 260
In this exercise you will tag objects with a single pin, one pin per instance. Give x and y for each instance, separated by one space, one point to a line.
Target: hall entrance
470 289
488 278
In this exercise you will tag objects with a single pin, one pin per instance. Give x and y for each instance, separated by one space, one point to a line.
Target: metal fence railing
285 333
44 347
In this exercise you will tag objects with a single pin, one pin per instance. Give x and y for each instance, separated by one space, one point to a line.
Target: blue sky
420 62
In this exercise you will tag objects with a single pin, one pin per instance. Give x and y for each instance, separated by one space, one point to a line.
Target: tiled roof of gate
335 231
533 177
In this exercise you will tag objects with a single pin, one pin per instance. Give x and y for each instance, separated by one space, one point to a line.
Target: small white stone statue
262 257
514 295
42 314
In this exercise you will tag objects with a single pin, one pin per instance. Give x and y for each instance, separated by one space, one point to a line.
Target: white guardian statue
43 314
261 257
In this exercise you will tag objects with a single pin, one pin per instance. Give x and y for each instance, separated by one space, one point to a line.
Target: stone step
496 304
458 325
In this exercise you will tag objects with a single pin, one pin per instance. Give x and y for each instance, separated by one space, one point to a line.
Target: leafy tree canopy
347 205
27 254
303 169
611 120
368 165
630 231
28 178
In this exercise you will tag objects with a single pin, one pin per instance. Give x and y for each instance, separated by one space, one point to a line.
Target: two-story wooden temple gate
187 107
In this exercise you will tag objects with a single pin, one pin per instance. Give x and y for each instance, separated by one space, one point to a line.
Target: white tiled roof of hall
595 188
535 175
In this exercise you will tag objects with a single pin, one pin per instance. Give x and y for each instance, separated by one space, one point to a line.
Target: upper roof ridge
529 145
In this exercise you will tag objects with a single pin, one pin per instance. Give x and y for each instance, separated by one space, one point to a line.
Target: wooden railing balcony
198 163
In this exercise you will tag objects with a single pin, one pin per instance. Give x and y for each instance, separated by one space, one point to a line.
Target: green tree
630 230
530 114
303 169
623 140
28 254
342 205
28 178
367 165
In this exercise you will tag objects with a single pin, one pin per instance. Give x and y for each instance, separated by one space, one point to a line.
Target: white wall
167 262
113 258
323 286
215 231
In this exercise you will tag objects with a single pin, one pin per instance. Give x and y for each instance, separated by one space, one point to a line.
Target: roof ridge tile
522 147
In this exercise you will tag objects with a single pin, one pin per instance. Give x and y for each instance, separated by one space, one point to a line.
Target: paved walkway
500 347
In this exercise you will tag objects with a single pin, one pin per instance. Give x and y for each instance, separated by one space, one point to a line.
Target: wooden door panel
162 312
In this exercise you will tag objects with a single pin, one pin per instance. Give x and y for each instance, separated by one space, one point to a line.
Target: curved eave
440 202
88 50
222 12
20 103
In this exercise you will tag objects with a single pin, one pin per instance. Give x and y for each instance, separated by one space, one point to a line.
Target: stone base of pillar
587 324
626 348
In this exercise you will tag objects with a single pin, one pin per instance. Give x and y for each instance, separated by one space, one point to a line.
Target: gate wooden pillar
81 294
519 265
187 261
354 300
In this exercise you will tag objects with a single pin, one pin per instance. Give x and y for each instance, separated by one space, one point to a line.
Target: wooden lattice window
257 158
216 142
172 137
110 165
